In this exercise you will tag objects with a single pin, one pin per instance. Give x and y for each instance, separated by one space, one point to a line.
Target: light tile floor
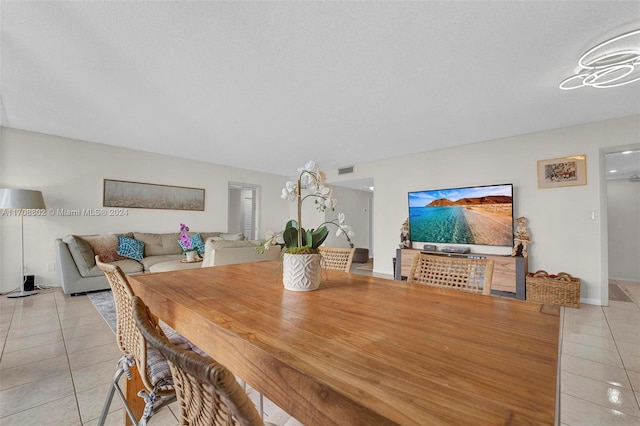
600 363
58 356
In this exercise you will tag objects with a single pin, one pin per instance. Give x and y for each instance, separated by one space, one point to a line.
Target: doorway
622 209
242 209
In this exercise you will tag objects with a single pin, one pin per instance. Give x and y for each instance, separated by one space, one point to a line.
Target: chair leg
260 399
122 367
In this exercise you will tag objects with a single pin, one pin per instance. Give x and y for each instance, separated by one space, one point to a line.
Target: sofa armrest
67 270
232 255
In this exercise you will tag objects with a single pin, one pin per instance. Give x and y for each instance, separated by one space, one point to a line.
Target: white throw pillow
215 245
232 237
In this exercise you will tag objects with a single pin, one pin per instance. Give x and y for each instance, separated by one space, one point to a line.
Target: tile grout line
626 372
66 352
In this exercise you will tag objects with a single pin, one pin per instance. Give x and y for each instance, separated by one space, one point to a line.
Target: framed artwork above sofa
120 193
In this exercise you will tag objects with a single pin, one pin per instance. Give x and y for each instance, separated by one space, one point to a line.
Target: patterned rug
366 266
617 294
103 301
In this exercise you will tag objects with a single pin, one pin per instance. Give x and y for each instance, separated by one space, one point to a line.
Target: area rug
617 294
103 301
366 266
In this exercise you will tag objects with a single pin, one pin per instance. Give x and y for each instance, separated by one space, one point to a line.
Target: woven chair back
130 341
336 259
207 392
472 275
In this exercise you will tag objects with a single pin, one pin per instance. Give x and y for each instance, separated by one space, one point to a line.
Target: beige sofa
78 273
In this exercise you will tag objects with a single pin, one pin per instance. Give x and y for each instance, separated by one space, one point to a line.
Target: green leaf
292 224
290 236
318 236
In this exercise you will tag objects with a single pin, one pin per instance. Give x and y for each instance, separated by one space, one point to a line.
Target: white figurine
405 239
522 237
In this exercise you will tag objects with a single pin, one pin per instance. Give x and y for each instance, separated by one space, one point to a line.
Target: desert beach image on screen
481 215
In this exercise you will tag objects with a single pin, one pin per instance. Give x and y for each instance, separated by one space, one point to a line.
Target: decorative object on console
603 67
118 193
561 172
303 273
20 201
405 237
456 249
522 238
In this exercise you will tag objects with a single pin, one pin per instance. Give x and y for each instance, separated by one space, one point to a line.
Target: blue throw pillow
196 243
131 248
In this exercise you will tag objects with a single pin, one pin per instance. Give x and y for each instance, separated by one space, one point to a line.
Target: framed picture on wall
561 172
119 193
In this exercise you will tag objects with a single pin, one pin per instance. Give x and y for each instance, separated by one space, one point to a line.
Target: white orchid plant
294 237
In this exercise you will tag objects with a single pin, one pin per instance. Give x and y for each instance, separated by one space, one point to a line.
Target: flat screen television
479 215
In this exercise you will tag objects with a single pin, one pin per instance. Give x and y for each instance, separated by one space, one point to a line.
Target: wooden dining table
363 350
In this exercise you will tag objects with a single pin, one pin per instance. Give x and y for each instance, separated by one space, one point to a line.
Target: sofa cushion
223 244
149 261
207 235
81 252
159 244
232 237
106 246
130 247
128 266
175 265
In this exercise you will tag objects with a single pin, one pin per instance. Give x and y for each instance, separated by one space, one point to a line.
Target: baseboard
597 302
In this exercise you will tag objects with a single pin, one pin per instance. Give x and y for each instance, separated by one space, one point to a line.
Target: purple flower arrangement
184 237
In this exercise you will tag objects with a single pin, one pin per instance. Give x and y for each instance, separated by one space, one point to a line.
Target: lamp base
21 294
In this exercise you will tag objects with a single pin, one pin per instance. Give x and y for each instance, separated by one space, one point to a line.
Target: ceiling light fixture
602 67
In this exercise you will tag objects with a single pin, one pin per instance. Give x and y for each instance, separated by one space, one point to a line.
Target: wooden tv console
509 272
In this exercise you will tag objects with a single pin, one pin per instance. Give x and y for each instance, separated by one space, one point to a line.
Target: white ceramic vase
191 256
301 272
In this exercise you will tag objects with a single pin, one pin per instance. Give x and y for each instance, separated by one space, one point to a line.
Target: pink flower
184 237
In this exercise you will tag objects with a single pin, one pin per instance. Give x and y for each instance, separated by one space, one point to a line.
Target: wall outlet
51 267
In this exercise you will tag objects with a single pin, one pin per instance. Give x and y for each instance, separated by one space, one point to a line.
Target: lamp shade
21 199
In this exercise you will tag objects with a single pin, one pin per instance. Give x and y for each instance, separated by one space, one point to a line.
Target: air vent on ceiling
345 170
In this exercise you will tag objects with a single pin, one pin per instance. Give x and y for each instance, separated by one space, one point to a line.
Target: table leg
132 387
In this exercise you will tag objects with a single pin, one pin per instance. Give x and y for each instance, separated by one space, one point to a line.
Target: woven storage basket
562 290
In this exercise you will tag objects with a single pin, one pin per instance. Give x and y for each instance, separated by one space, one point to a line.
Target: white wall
354 204
565 238
623 209
70 175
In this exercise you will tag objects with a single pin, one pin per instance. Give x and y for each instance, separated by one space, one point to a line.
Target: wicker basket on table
561 289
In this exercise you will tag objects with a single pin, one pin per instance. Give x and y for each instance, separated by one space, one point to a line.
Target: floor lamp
20 200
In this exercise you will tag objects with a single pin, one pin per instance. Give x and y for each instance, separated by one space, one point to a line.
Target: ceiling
267 85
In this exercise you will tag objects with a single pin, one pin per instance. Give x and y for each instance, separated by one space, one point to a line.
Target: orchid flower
184 237
313 181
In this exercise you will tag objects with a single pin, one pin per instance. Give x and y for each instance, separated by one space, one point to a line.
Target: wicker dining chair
336 259
468 274
208 393
152 367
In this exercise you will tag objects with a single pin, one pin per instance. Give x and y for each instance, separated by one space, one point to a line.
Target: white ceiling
269 85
